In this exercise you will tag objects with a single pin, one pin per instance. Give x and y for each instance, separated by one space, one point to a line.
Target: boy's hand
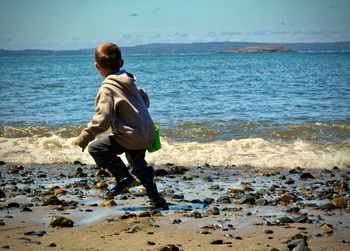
76 143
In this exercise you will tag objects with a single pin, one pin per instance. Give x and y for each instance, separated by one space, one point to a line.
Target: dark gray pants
105 153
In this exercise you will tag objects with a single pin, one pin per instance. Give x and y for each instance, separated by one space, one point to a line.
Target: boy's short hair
109 56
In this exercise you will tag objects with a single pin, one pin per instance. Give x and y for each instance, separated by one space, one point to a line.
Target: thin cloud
332 7
133 15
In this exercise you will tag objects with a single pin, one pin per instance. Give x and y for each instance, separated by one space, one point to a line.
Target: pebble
247 199
306 176
145 214
169 247
301 248
176 221
60 221
214 211
284 220
268 231
294 243
340 202
52 245
108 203
35 233
2 194
217 242
13 204
15 169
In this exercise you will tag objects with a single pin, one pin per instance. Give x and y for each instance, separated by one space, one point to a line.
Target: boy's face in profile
102 71
106 72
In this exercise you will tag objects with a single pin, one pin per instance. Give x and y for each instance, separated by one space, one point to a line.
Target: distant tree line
184 48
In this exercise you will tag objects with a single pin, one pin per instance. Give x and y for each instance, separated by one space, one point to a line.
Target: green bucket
156 144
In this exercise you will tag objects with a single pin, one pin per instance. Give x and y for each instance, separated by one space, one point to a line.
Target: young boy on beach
123 108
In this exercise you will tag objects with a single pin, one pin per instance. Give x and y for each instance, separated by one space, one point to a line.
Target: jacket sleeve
100 122
145 97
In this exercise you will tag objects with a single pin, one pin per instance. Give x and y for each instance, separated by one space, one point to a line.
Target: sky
75 24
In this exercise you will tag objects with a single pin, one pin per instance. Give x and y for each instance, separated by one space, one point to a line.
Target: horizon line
179 43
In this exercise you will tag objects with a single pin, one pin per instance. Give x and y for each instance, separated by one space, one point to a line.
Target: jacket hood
124 80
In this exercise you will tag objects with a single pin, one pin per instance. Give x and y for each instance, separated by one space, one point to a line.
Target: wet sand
210 208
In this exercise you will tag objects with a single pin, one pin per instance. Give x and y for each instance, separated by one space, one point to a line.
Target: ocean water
259 110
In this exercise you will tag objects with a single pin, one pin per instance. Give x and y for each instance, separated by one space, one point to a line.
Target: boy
123 108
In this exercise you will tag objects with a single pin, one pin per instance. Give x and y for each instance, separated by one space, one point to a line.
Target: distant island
259 49
184 48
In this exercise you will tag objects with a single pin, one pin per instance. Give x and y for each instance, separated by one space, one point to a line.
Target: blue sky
73 24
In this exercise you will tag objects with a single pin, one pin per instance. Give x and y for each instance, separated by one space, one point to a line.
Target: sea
277 110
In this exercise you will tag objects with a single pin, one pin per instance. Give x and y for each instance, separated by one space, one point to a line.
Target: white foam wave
245 152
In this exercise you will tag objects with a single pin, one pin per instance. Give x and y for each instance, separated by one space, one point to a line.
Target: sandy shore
211 208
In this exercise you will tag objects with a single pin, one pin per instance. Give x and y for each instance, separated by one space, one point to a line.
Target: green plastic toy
156 144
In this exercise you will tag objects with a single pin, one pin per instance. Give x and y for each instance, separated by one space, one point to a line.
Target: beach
210 208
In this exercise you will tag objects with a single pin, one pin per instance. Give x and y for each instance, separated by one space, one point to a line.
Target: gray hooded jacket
123 108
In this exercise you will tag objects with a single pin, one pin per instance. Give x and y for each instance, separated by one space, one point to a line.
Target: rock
102 173
101 185
26 209
289 197
235 190
290 182
2 194
53 200
301 248
127 215
217 242
133 230
77 162
214 211
327 206
151 243
176 170
196 214
293 210
160 172
59 191
52 245
169 247
327 227
340 202
306 176
224 199
301 218
208 201
5 247
343 188
13 204
15 169
294 243
176 221
284 220
35 233
261 202
214 187
108 203
145 214
60 221
247 199
268 231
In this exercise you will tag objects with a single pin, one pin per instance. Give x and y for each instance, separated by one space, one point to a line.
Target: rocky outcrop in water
259 49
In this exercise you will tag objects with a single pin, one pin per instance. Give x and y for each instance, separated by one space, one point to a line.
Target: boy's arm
100 122
145 97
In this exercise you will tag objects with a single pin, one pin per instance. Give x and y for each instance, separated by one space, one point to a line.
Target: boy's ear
97 65
121 63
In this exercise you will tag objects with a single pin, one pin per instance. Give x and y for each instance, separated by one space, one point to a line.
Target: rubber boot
123 178
147 180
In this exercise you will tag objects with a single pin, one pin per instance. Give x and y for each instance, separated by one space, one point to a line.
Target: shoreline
211 208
